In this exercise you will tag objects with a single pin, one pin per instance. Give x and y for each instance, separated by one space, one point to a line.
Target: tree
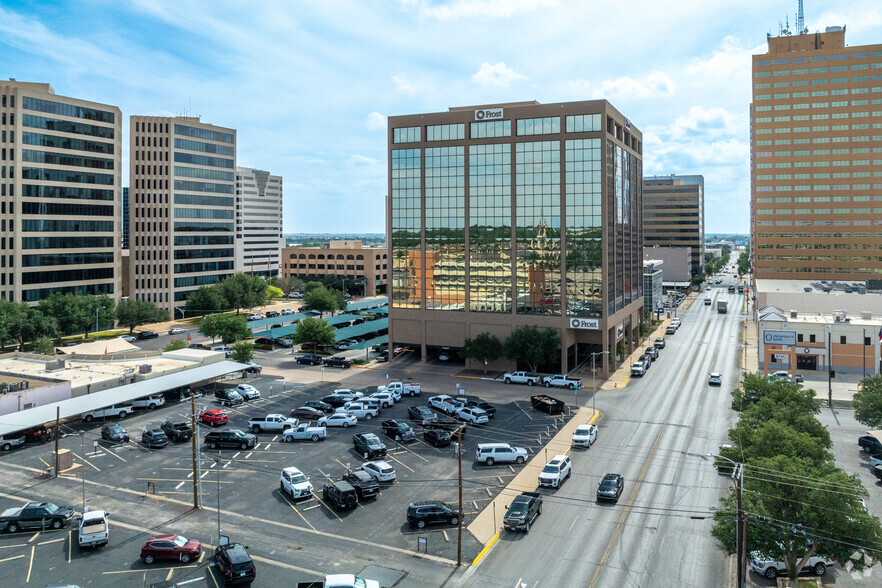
44 346
227 327
340 298
484 348
101 312
527 344
243 291
206 300
310 286
68 310
288 285
868 402
175 344
313 332
756 388
22 323
134 313
273 292
243 351
320 300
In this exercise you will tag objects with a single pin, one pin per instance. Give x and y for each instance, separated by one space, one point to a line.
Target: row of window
203 253
819 93
190 186
787 199
209 213
207 134
65 126
47 157
822 258
150 127
66 226
72 242
817 58
822 235
203 160
79 289
72 275
71 110
43 260
500 128
763 211
64 209
321 266
35 191
204 174
818 223
208 266
61 175
807 105
41 140
190 145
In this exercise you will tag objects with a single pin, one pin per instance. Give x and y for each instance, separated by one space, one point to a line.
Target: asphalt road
655 432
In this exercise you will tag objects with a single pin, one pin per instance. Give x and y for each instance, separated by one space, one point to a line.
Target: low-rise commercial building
360 270
676 264
813 296
652 285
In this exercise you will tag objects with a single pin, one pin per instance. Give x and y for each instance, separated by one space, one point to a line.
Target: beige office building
355 269
182 192
60 194
259 240
516 214
816 152
673 215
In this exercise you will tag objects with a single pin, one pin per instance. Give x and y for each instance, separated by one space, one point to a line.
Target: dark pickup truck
523 511
177 431
870 444
36 515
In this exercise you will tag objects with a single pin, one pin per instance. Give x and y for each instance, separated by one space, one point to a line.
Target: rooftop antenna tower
800 21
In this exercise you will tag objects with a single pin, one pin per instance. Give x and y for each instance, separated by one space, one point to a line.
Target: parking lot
245 484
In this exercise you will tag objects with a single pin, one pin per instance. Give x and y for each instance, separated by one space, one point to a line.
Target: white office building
259 238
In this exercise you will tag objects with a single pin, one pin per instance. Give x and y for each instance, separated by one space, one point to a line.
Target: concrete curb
484 551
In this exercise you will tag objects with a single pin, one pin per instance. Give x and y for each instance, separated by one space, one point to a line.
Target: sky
308 85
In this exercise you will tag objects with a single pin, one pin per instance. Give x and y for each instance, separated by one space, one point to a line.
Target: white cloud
496 75
375 122
655 85
462 9
404 84
703 123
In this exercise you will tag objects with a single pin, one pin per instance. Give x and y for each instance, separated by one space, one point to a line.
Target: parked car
340 495
177 331
584 435
364 483
382 356
149 402
476 416
230 438
437 437
521 378
273 314
444 403
380 470
350 395
870 444
248 392
562 381
490 453
652 352
271 423
255 316
522 513
286 342
178 431
659 343
475 402
368 445
358 409
422 415
610 487
170 547
384 398
304 431
253 368
147 335
287 311
121 410
340 362
114 433
399 389
228 397
128 338
638 369
307 413
309 359
715 379
227 351
319 405
771 569
10 440
784 375
37 434
36 515
93 530
555 471
670 330
154 437
213 417
398 430
295 483
646 359
234 564
431 512
338 419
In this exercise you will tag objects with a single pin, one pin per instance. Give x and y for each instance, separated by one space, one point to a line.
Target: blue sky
308 84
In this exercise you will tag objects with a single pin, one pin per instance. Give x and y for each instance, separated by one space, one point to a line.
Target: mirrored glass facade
445 228
584 228
407 268
490 263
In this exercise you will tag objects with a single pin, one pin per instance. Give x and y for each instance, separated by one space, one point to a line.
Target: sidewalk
619 378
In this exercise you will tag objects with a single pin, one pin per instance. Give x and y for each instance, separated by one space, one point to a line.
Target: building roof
102 347
40 415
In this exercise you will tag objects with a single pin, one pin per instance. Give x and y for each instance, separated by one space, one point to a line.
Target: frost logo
489 114
577 323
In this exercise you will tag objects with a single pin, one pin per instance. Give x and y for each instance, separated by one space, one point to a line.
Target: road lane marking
30 565
13 557
13 546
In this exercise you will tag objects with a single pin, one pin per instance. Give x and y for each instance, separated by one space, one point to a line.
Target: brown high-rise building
816 150
516 214
673 215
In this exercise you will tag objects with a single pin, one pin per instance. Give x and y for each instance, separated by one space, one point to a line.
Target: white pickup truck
271 423
521 378
121 410
93 529
359 410
302 432
410 389
562 381
446 404
149 402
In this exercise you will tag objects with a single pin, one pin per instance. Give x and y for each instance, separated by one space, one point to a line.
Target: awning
103 347
40 415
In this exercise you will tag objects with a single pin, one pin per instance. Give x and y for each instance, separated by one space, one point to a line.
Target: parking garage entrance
807 362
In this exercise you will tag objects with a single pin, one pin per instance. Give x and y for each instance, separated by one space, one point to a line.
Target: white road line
267 446
190 475
274 438
227 464
179 485
203 475
256 447
235 455
249 455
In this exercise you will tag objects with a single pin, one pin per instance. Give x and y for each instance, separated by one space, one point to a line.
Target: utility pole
57 432
196 504
459 526
829 367
738 473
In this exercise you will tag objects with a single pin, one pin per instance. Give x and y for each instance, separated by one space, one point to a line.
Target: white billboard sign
774 337
581 323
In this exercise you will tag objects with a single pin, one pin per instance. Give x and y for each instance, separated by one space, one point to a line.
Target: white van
93 529
490 453
121 410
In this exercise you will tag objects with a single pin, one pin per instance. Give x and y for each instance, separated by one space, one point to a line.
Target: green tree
22 323
206 300
313 332
243 291
484 348
175 344
310 286
868 402
321 300
288 285
243 351
227 327
529 345
273 292
134 313
69 310
44 346
101 310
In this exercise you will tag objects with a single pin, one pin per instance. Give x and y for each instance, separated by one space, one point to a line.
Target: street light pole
83 469
740 522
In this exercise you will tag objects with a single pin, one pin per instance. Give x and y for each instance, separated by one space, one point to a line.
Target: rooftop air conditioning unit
4 388
145 368
55 365
23 385
794 314
13 386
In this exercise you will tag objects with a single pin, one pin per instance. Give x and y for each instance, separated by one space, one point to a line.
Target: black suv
335 400
154 436
437 437
368 444
273 314
340 495
230 438
228 397
177 431
399 430
475 402
427 512
422 415
610 488
115 433
310 359
340 362
364 483
319 405
234 564
147 335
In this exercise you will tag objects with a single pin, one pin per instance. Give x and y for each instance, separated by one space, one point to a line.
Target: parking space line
113 454
445 536
51 541
274 438
340 462
141 571
87 461
31 565
213 579
414 453
268 445
324 474
34 536
44 462
297 511
69 543
249 455
179 485
201 557
169 575
235 455
256 447
312 507
523 411
13 557
329 508
401 462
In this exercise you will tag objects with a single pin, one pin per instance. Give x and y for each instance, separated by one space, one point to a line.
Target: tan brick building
816 184
673 215
360 269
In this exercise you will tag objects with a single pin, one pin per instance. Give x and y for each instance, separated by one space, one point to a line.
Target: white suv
555 471
292 481
585 435
490 453
477 416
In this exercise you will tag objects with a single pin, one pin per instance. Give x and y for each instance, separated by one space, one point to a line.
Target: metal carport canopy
40 415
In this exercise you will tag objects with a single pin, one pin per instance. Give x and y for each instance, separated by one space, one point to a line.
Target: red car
213 417
173 547
40 433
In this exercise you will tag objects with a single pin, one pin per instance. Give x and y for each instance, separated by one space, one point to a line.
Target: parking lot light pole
459 526
594 377
218 465
83 470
